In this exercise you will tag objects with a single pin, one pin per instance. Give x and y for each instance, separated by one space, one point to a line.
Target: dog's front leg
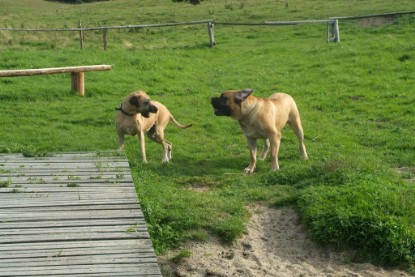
120 140
143 146
252 152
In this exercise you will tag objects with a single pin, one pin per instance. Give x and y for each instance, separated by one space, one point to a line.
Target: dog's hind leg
169 149
166 151
298 130
264 150
156 133
275 141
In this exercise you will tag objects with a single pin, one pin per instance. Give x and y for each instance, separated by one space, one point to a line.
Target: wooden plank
39 173
33 255
70 207
97 177
22 226
36 203
96 245
44 197
65 215
138 269
13 239
71 215
77 188
69 165
53 70
109 155
68 261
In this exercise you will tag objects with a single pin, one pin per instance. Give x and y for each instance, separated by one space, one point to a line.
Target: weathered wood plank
32 255
71 187
53 70
67 166
65 215
70 207
71 215
39 202
93 179
127 244
36 230
13 239
53 173
150 269
21 227
67 261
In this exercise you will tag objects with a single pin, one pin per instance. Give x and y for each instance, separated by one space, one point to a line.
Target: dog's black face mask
220 106
144 107
148 108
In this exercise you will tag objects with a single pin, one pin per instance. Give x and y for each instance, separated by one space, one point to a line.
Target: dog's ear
243 94
134 100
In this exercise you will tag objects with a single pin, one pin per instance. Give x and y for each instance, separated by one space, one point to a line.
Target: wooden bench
77 74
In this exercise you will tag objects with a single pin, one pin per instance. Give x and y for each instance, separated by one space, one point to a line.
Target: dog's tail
178 124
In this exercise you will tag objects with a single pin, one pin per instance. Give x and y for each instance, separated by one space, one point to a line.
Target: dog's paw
275 168
249 170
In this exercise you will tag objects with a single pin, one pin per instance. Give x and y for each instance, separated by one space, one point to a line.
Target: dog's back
287 108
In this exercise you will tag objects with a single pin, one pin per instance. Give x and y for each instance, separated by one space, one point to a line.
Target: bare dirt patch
408 173
275 244
377 21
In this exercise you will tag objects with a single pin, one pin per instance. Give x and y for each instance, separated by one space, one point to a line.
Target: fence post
211 35
81 35
104 37
334 26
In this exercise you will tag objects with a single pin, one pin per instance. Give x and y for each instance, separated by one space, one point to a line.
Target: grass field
356 100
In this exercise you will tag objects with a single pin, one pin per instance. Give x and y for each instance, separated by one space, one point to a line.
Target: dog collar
124 111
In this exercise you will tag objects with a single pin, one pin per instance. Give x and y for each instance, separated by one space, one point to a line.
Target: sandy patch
275 244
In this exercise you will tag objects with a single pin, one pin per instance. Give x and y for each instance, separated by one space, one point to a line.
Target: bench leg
78 82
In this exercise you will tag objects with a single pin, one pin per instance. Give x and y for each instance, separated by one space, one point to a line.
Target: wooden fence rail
333 34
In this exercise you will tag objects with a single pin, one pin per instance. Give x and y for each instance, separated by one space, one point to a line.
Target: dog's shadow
181 166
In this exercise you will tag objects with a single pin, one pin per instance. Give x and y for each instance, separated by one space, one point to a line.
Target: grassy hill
356 100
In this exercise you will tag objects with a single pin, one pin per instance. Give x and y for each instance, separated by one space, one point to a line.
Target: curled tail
178 124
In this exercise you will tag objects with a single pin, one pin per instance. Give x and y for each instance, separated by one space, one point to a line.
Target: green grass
356 101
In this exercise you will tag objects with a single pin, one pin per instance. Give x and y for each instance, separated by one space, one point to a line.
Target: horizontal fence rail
333 33
106 27
373 15
297 22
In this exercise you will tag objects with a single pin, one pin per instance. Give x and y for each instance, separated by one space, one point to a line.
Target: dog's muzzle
220 109
151 109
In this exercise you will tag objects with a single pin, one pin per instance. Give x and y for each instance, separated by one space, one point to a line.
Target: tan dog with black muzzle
139 115
261 118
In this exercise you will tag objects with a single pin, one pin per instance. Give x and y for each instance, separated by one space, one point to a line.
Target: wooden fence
333 31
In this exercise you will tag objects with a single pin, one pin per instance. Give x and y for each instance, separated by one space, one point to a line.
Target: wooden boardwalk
71 215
